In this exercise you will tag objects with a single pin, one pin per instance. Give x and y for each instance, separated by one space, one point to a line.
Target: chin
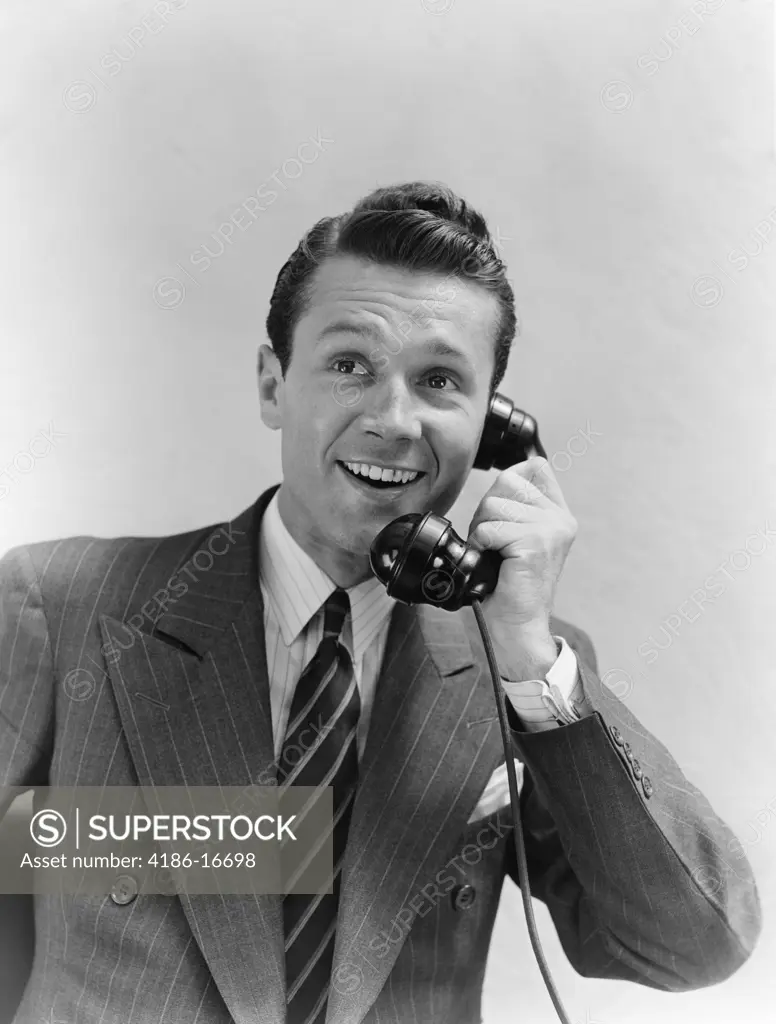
358 542
353 536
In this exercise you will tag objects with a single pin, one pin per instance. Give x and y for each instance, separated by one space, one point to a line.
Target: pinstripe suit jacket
636 878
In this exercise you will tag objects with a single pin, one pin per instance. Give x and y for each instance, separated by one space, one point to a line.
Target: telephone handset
421 560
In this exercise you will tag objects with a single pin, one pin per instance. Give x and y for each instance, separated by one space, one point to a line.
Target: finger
540 483
496 509
496 536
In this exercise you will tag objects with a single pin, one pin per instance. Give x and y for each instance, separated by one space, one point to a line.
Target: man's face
389 369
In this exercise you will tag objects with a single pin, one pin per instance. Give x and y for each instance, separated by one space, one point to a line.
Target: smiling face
390 369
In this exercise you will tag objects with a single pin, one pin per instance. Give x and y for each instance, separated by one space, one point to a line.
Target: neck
346 568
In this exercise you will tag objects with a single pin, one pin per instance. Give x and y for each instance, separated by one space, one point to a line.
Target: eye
440 377
347 362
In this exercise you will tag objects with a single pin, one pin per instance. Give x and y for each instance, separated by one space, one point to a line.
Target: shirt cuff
556 700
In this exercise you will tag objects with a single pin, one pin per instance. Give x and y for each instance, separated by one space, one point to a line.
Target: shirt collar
297 587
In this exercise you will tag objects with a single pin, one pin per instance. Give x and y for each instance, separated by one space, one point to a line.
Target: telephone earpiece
507 437
421 559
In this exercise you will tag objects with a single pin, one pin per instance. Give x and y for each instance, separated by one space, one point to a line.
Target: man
390 329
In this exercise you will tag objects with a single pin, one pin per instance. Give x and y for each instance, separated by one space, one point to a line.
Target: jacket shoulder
112 570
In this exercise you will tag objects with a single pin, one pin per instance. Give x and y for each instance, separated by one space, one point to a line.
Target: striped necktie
325 710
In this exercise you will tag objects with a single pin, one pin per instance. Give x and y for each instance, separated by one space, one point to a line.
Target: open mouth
381 480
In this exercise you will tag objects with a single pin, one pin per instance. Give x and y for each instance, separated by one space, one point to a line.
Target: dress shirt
294 589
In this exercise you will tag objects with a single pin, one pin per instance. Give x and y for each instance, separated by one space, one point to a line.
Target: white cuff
539 701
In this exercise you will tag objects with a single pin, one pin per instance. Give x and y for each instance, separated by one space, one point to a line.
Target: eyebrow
435 346
344 327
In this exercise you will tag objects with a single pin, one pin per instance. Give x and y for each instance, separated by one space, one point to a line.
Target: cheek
455 447
313 422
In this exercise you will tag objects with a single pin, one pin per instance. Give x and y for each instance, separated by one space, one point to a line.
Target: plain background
622 151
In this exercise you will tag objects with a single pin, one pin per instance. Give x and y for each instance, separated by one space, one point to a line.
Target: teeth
403 476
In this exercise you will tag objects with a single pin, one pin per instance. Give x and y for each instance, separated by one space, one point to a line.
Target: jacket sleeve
26 678
628 856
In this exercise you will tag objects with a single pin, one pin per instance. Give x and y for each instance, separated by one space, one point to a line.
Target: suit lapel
194 704
433 743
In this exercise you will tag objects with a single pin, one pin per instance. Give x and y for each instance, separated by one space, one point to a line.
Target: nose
392 413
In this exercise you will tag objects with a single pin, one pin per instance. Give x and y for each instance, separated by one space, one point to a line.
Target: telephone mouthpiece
388 543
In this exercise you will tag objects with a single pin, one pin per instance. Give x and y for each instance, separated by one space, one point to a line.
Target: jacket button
636 768
646 785
123 890
464 896
626 749
616 735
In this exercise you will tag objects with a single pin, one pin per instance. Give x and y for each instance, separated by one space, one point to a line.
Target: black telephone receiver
421 559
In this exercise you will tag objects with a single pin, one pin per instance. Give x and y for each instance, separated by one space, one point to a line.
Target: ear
270 388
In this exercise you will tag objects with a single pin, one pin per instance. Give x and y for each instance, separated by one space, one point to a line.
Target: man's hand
525 518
